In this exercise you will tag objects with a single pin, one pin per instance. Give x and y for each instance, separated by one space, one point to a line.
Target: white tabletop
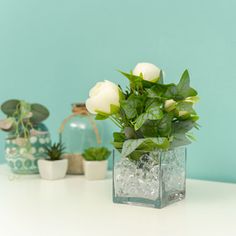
30 206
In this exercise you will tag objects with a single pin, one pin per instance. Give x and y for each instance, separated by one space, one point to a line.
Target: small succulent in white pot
54 167
95 162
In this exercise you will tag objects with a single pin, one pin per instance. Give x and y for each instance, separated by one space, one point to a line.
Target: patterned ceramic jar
22 154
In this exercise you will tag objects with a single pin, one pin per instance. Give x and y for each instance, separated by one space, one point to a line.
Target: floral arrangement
149 113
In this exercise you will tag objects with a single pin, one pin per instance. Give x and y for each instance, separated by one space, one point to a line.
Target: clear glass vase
154 179
79 131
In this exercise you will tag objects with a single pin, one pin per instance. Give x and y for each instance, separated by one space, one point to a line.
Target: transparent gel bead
157 179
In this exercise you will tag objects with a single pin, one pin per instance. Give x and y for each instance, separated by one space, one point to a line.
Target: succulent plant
96 154
55 151
22 117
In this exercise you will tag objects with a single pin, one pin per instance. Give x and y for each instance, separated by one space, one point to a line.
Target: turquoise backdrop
53 51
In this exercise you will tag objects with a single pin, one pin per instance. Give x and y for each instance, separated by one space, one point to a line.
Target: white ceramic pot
95 170
53 170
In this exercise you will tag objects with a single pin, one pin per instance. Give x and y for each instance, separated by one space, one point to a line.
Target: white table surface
30 206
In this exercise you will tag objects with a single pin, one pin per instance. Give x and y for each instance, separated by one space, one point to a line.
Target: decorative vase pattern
22 154
156 179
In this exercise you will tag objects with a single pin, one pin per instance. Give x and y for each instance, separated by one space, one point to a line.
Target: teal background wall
53 51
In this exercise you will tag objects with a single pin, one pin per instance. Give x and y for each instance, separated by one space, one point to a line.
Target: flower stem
115 121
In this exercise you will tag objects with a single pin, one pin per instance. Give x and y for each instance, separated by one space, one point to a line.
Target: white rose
149 71
102 96
183 113
170 105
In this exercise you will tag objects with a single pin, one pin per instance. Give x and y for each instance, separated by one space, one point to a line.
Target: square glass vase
154 178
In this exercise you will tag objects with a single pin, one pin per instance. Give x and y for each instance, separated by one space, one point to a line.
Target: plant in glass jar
155 120
54 166
95 162
27 135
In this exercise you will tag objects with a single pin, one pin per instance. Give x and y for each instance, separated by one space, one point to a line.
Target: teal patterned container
22 154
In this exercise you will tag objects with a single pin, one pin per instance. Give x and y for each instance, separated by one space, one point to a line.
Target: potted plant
154 120
95 162
54 166
27 135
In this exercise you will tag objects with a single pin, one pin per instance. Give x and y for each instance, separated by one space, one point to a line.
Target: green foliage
22 117
101 117
146 121
39 113
55 151
146 144
9 107
96 154
133 106
183 87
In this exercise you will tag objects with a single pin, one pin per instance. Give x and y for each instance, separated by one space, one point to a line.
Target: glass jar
22 154
155 179
78 132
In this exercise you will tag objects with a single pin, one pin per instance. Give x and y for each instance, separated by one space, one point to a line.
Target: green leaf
130 106
184 81
117 145
140 121
154 111
150 101
191 137
146 144
161 78
147 84
194 117
40 113
153 93
183 126
171 92
130 133
149 129
129 110
9 107
101 117
114 109
118 137
164 126
179 139
132 78
160 91
185 106
183 86
133 105
102 113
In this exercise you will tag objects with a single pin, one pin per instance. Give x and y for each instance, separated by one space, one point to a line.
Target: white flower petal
149 71
102 96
